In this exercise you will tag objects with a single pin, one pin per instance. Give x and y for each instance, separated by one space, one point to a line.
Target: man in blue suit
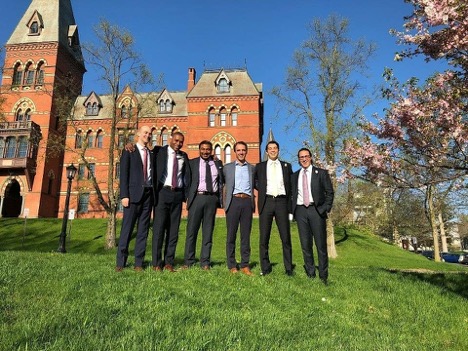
312 200
239 206
136 193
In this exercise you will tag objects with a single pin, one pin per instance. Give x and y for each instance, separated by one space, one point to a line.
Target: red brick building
43 53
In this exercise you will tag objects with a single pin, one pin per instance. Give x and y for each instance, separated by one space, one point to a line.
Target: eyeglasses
303 157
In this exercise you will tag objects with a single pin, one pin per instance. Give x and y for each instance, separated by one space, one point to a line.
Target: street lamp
71 171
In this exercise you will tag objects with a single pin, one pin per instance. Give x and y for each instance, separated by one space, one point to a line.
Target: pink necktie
175 169
305 188
145 164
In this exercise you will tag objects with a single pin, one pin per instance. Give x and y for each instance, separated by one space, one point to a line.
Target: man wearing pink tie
312 200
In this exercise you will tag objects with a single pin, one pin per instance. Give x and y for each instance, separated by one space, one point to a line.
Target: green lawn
379 298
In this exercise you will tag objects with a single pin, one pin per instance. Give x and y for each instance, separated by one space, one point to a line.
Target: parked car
463 258
428 254
449 257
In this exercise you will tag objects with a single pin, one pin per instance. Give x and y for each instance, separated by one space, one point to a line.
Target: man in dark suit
171 182
239 206
312 200
136 193
273 182
204 197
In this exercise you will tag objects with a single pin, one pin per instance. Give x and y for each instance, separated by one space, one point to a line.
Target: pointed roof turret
47 21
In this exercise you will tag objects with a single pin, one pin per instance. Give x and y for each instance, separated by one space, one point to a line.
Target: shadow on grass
344 238
454 282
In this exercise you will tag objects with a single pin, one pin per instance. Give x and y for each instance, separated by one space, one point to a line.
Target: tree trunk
443 237
111 230
331 238
395 233
432 220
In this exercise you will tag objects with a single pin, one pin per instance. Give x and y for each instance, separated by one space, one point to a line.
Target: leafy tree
321 92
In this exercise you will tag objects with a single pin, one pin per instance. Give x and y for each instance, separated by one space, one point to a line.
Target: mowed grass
379 298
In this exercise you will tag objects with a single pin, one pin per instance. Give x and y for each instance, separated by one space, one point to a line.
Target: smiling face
241 152
177 141
305 159
144 135
205 151
272 150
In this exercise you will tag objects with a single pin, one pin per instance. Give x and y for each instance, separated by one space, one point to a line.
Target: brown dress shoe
168 267
157 269
138 269
118 269
246 271
206 268
234 270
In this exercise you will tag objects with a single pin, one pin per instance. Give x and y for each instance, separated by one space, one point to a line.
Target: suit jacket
229 173
160 162
195 171
321 188
131 175
261 182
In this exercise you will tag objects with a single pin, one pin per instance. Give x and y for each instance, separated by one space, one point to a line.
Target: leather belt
168 187
242 196
205 193
276 197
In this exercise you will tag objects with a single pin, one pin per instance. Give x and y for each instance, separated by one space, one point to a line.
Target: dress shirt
242 179
275 183
202 172
300 191
170 161
148 160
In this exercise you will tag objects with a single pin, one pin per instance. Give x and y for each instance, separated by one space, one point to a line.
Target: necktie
175 170
305 189
145 164
275 179
208 177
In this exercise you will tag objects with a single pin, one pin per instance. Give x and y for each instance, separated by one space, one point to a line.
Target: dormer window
165 102
92 104
34 29
35 24
223 86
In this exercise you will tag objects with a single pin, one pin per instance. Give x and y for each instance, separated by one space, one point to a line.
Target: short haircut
304 149
272 142
177 133
241 143
205 142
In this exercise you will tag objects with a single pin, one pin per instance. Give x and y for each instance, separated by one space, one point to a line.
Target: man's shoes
157 269
265 272
168 267
184 267
324 281
206 268
138 269
309 275
289 273
118 269
234 270
246 271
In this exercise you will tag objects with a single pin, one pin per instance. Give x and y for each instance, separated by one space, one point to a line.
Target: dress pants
141 212
202 212
312 227
166 226
277 208
239 213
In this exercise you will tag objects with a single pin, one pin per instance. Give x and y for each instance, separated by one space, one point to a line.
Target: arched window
89 109
227 154
164 137
78 140
154 137
234 117
162 106
95 109
34 28
40 74
17 74
22 146
20 115
211 118
168 106
223 86
28 74
10 147
124 112
99 139
90 139
222 116
218 152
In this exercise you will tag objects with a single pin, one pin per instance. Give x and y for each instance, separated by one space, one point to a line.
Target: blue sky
174 35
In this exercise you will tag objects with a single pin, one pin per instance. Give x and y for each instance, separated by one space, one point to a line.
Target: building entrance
12 200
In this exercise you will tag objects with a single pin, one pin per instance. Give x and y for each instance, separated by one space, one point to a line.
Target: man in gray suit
239 206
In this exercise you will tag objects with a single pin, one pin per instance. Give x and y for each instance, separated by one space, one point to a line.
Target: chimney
191 79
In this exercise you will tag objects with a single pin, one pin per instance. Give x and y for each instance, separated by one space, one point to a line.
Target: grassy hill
379 298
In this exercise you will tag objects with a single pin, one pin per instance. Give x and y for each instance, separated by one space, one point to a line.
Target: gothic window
227 154
10 147
91 170
34 28
234 117
211 118
168 106
99 139
89 109
124 112
28 74
90 139
40 74
78 140
164 136
121 141
95 109
223 86
83 203
17 75
222 115
19 115
162 106
81 171
218 152
154 137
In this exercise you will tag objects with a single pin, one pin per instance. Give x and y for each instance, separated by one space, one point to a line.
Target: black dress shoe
265 272
324 281
289 273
